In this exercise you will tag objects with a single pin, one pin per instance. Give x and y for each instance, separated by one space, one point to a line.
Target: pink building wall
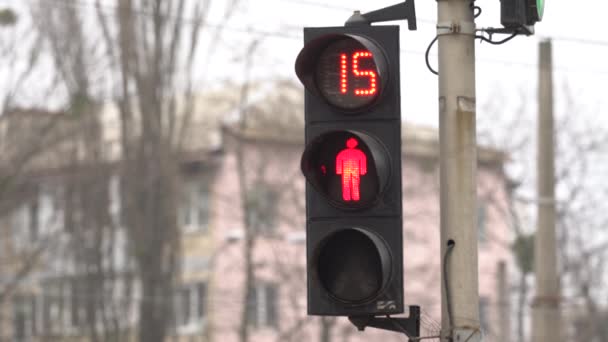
279 258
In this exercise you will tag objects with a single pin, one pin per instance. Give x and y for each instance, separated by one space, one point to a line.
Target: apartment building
241 218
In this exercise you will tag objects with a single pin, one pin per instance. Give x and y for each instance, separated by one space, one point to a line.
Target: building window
190 307
34 217
78 301
72 305
114 197
47 211
194 208
262 305
482 216
33 220
21 227
26 223
262 214
24 318
53 306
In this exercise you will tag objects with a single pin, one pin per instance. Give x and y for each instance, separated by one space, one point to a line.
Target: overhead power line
343 8
112 10
186 20
577 40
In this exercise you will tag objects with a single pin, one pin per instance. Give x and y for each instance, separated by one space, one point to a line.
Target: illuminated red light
351 163
343 74
364 73
358 73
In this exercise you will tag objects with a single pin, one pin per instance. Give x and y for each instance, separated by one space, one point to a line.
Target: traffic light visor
347 71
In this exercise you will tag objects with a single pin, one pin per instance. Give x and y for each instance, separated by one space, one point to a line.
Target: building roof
274 114
417 141
279 117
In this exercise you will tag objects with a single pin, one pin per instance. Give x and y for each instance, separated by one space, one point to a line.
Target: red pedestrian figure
351 163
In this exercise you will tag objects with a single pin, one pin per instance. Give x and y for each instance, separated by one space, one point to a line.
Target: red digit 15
370 74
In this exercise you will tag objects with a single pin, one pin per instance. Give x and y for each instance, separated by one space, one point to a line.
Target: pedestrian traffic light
352 164
521 15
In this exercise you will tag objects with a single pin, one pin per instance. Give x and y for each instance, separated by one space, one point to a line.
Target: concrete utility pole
504 304
545 306
458 164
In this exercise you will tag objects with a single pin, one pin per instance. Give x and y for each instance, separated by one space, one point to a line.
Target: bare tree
90 227
580 203
270 201
28 138
147 51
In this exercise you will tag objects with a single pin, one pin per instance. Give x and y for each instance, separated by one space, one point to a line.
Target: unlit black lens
351 266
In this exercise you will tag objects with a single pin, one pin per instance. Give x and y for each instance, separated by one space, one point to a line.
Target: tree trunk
248 227
521 307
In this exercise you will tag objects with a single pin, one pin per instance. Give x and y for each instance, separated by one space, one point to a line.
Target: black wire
475 15
426 56
496 42
428 49
396 324
451 244
475 8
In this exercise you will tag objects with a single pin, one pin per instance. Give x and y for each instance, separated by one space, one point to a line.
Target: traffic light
521 15
352 164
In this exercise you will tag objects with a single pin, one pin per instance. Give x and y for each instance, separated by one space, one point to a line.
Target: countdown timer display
347 76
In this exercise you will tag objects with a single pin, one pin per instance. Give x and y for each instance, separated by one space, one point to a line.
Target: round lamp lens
349 169
351 266
347 75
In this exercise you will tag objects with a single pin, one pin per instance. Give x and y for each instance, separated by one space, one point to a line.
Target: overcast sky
506 74
503 72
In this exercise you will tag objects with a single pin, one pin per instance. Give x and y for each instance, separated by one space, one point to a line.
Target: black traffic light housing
354 213
521 15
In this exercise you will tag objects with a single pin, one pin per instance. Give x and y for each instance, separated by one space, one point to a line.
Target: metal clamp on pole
466 27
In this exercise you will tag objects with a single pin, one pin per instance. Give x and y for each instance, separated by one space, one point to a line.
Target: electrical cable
450 247
82 4
485 39
426 56
344 8
396 324
475 8
402 329
493 42
476 15
284 35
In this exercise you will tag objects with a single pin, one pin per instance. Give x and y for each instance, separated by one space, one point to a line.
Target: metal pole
504 304
458 165
545 306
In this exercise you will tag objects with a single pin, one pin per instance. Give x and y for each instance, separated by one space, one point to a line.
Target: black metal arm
405 10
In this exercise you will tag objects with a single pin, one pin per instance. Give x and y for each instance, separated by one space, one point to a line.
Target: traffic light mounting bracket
527 30
402 11
410 326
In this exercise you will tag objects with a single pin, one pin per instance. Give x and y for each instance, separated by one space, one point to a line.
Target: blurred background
150 187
